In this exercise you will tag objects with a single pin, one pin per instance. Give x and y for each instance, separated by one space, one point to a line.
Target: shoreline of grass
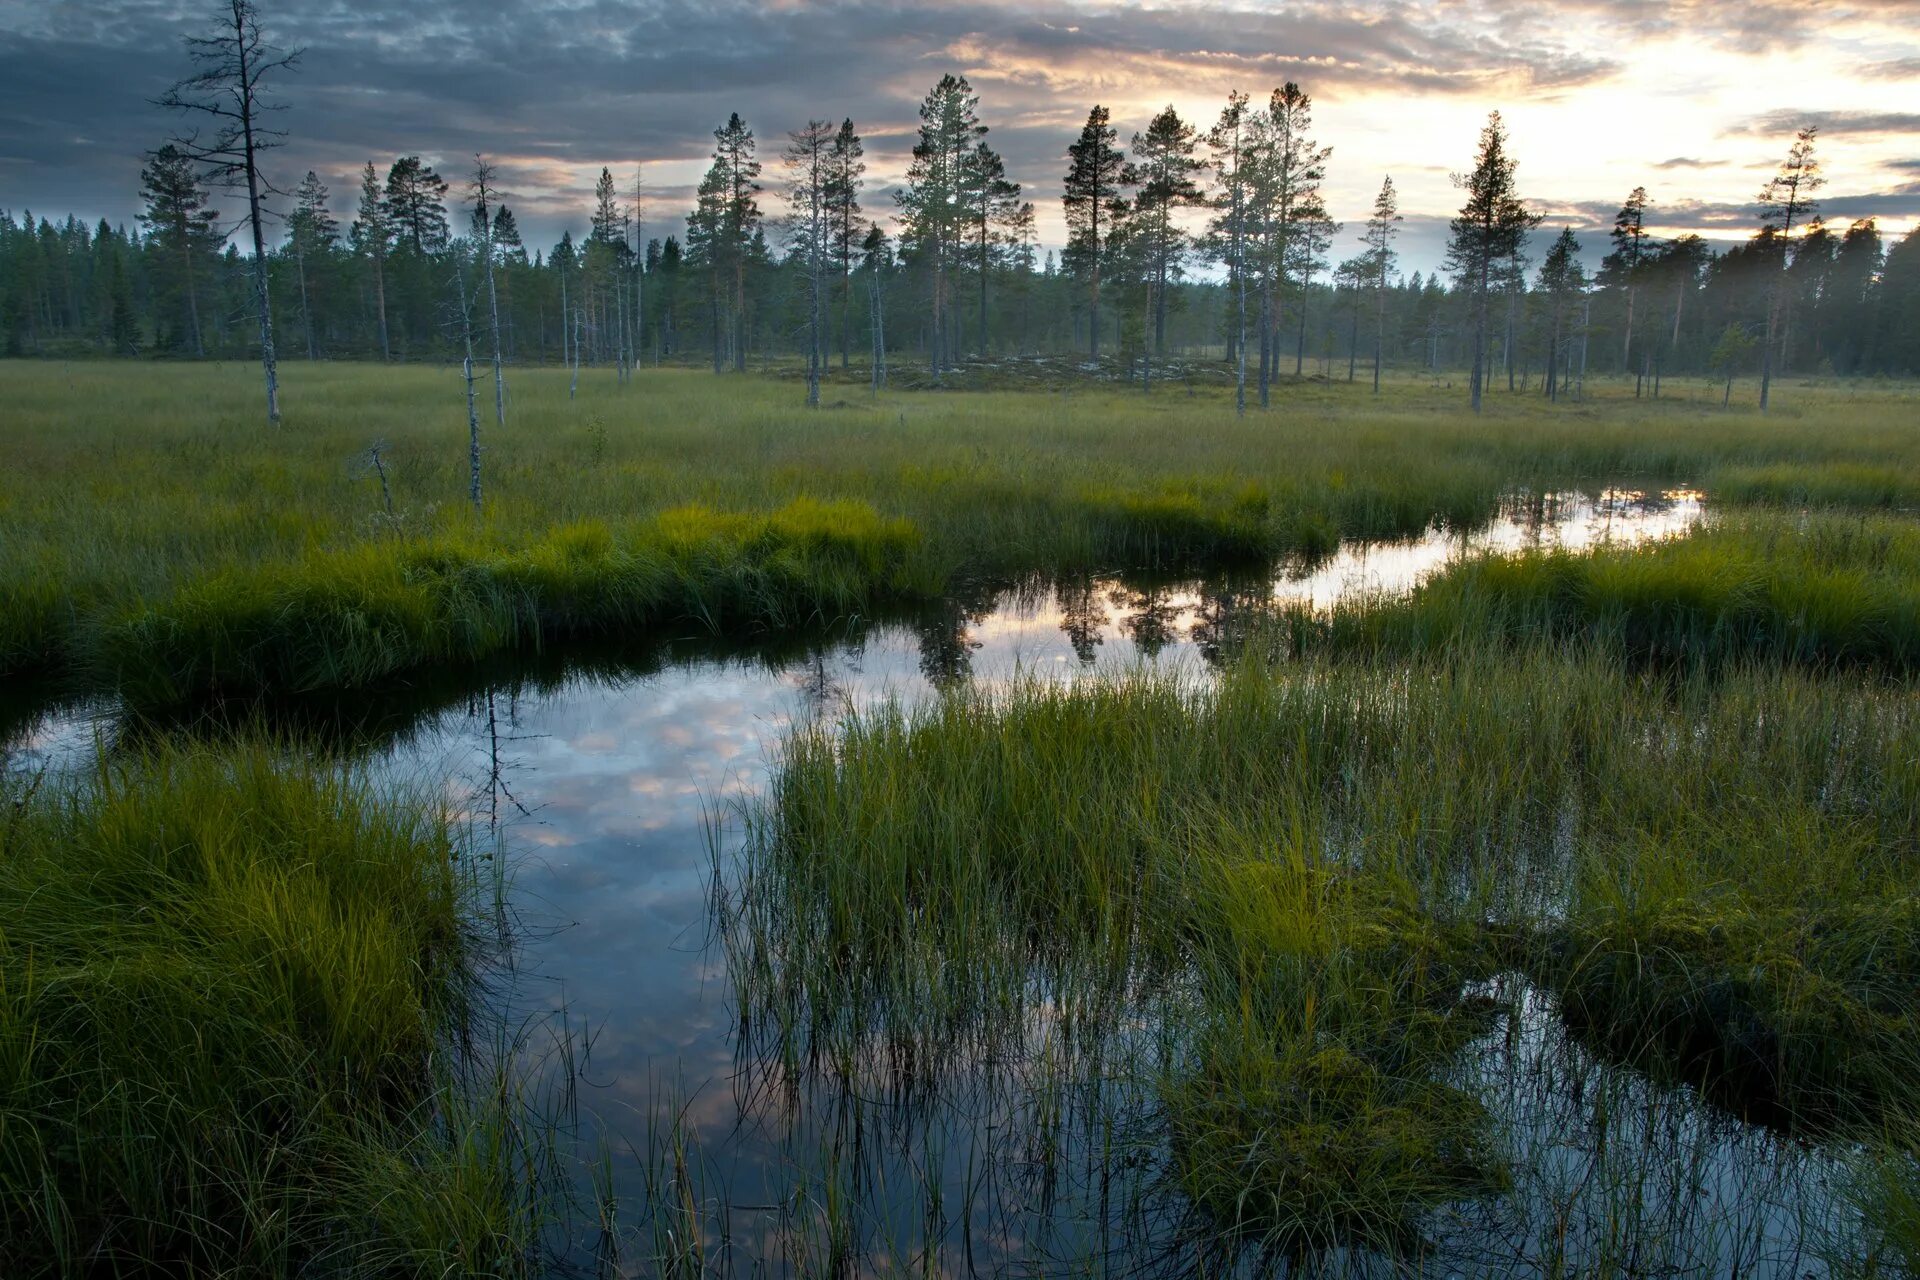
1823 591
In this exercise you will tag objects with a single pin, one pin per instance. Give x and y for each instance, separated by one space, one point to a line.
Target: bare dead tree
229 86
466 300
482 192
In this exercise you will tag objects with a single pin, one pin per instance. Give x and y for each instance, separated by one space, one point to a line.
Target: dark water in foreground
609 787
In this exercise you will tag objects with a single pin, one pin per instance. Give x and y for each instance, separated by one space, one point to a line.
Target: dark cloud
1690 162
553 89
1832 123
1893 69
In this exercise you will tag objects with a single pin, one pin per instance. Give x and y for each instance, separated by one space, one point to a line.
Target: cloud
1893 69
553 89
1850 123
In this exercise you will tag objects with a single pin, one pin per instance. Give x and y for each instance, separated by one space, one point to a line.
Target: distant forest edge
1187 241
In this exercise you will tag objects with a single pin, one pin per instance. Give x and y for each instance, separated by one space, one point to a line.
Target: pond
612 784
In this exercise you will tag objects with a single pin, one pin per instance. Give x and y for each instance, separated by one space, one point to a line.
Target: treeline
1183 243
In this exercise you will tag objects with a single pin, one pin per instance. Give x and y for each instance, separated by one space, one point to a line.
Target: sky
1696 100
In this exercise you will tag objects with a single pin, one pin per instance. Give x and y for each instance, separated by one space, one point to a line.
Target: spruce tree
372 238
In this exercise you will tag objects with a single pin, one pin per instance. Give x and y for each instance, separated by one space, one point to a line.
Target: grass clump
1816 591
1308 1114
1802 1017
346 619
227 982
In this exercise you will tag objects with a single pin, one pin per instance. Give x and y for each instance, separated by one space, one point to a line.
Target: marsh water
612 787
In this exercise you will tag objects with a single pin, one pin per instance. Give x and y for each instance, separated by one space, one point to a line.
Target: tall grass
231 986
1308 876
1822 591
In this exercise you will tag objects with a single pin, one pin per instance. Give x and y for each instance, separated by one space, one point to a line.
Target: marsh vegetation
1006 831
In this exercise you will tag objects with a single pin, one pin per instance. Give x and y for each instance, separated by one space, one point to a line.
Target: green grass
1675 790
1304 872
1821 590
145 504
229 987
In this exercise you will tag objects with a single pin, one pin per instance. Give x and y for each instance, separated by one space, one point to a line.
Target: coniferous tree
372 237
1235 163
312 233
183 231
845 166
809 169
1168 170
991 201
1379 257
1492 225
1563 281
1621 269
934 206
1097 176
1788 200
415 203
740 219
1289 213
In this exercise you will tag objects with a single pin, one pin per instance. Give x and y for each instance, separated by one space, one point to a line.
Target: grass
1822 590
230 986
1303 881
145 506
1238 938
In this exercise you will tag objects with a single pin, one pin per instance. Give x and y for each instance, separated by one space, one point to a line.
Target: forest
1166 233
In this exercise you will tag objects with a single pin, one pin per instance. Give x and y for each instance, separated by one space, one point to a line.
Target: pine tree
1379 257
1492 225
991 201
739 219
1788 200
1622 268
844 169
1097 174
809 169
1289 215
934 207
1234 164
1168 171
372 237
1563 281
415 203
